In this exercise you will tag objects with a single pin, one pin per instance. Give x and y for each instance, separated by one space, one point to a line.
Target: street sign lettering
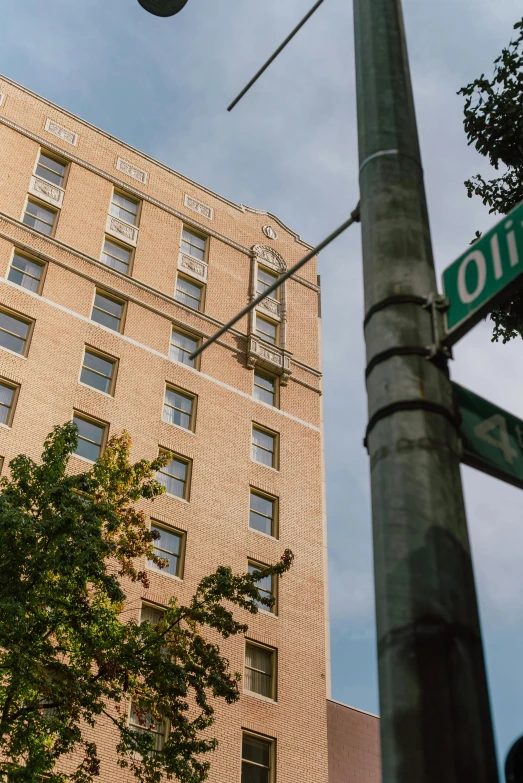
492 438
484 275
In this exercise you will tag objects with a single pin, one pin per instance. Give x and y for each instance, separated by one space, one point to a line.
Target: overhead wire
354 218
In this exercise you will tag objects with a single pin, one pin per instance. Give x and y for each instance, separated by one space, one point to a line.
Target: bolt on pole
434 705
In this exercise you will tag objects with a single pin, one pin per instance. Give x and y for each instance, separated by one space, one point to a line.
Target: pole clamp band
409 405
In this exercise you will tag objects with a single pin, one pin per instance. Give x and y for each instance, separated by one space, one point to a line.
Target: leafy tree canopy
70 658
494 124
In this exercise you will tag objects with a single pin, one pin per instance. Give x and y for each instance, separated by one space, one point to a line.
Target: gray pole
435 713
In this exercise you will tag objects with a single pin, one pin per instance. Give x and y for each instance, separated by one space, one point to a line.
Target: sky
290 147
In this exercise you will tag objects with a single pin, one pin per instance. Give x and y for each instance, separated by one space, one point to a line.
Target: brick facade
354 745
215 517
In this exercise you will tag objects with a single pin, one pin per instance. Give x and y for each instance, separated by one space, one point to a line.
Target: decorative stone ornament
192 267
121 230
163 7
2 96
46 191
269 232
132 171
62 133
271 357
197 206
269 257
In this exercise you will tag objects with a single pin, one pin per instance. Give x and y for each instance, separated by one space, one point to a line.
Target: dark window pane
256 750
252 774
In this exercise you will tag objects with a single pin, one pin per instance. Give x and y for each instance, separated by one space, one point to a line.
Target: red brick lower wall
354 745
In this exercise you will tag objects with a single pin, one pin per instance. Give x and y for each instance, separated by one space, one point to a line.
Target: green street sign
492 438
483 275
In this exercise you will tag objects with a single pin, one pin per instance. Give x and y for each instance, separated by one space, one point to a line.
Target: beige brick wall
216 517
354 745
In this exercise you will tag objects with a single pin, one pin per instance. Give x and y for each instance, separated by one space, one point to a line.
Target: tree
494 124
68 545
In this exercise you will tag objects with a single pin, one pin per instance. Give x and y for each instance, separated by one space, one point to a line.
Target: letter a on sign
496 424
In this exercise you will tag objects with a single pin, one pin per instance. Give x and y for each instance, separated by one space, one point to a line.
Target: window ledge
261 533
84 459
260 697
13 353
161 572
175 497
266 613
265 404
98 391
177 426
5 426
263 465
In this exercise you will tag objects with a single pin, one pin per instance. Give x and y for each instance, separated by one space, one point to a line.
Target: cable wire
273 56
354 218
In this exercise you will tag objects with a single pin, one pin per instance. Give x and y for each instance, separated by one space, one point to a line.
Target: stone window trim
15 388
274 358
34 260
44 189
117 226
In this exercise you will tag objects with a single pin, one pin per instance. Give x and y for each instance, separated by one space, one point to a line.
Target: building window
257 759
263 448
25 273
182 346
265 388
169 546
150 614
145 723
116 256
8 395
260 670
193 244
108 311
98 371
262 516
51 169
124 208
91 436
39 217
264 281
178 408
188 293
175 477
267 330
266 585
14 333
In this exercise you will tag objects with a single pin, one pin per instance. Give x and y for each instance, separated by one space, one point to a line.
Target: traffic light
163 7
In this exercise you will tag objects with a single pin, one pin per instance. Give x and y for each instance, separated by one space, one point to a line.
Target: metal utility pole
435 714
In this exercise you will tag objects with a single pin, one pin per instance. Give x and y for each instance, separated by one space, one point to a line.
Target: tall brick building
112 269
